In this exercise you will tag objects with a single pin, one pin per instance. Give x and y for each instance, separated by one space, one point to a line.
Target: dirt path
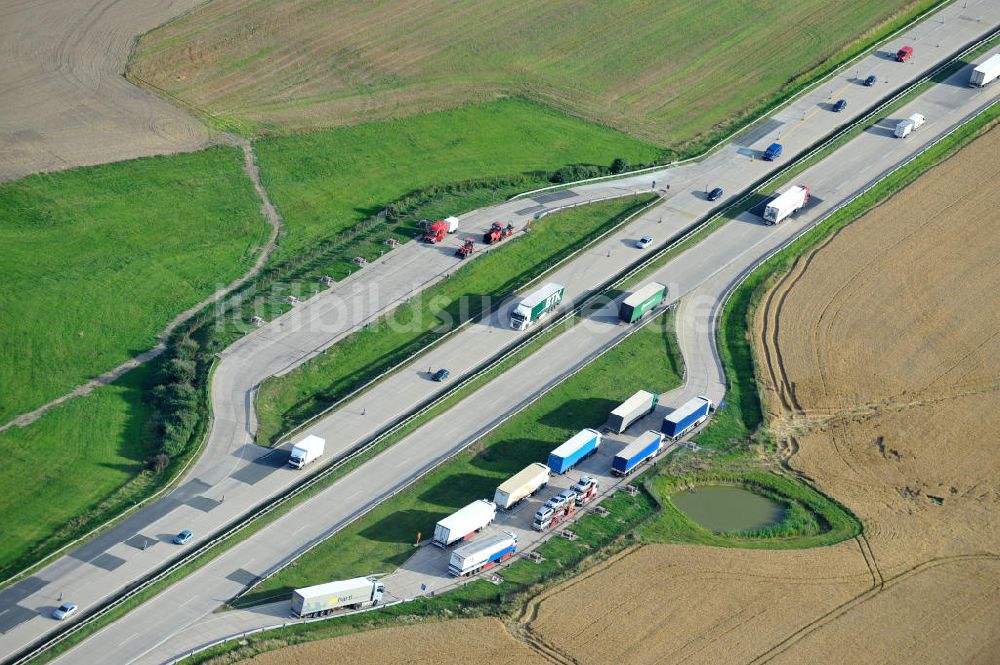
272 217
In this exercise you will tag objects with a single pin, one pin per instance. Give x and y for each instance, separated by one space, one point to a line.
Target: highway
230 470
176 620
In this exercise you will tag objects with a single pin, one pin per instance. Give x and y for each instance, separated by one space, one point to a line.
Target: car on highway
441 374
840 105
184 537
715 194
644 242
64 611
871 80
904 54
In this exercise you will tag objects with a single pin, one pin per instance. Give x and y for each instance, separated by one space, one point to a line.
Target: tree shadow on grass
460 490
403 526
512 455
576 414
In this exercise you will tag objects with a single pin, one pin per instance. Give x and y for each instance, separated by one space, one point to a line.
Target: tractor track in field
273 218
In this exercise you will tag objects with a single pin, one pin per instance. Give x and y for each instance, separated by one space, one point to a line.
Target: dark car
871 80
715 194
840 105
441 374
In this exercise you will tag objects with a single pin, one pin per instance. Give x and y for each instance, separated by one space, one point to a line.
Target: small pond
727 508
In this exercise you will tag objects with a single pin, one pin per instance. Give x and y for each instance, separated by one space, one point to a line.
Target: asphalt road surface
234 469
174 621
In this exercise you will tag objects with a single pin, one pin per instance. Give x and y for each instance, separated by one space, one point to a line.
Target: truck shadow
884 127
576 414
403 526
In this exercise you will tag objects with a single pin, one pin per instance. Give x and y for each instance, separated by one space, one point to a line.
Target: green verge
98 260
326 182
285 401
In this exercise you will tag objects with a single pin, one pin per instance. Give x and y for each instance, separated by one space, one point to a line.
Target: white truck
482 554
904 127
464 523
785 204
307 450
323 599
536 305
522 485
986 72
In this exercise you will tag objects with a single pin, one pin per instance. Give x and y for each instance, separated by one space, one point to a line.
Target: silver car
64 611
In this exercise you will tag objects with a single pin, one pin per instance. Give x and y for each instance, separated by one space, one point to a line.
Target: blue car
184 537
871 80
840 105
441 374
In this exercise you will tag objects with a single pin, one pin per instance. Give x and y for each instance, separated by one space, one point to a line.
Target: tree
619 165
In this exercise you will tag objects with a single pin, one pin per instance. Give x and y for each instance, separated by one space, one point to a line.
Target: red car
904 54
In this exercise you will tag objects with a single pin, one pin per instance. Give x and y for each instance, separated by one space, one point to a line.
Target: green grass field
98 260
59 473
287 400
325 182
670 71
383 539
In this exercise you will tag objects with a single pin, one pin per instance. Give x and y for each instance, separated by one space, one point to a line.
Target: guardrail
249 518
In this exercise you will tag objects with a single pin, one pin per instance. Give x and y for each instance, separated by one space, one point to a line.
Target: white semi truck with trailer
536 305
785 204
464 523
520 486
307 450
482 554
635 407
323 599
986 72
911 124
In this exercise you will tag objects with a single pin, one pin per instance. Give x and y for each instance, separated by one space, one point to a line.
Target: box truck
536 305
642 449
464 523
773 152
689 414
482 554
307 450
785 204
325 598
566 456
986 72
635 407
522 485
904 127
638 303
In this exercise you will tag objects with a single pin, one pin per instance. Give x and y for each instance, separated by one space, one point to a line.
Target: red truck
904 54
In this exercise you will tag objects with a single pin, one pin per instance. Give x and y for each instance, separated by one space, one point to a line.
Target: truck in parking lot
520 486
586 490
557 509
638 303
323 599
785 204
642 449
904 127
482 554
985 72
464 523
635 407
580 445
307 450
688 415
535 305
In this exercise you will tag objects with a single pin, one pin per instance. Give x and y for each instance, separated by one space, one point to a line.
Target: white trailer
307 450
522 485
482 554
464 523
325 598
452 223
904 127
986 72
785 204
635 407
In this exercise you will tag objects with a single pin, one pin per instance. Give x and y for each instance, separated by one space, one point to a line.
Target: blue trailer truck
566 456
773 152
482 554
644 448
693 412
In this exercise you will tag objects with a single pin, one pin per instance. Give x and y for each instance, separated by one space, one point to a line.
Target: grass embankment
98 260
326 182
665 71
287 400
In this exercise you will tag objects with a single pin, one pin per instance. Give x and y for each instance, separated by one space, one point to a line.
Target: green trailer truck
637 303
